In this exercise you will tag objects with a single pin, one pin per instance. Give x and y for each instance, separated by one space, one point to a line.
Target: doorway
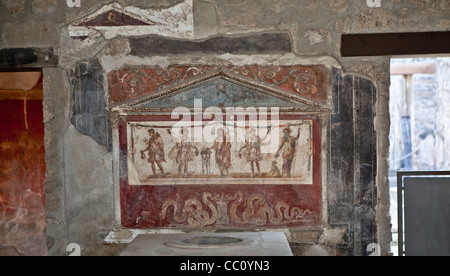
420 125
22 165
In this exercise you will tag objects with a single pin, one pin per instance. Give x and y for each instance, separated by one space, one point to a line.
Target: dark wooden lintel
393 44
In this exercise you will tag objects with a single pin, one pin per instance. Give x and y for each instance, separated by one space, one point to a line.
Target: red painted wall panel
22 177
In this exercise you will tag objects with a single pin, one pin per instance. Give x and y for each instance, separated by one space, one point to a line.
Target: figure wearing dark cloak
222 148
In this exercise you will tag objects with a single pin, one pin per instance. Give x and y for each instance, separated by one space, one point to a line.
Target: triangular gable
114 15
222 90
113 18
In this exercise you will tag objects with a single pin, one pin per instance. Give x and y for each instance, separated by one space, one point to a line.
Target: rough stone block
30 35
206 19
44 6
14 7
306 236
333 236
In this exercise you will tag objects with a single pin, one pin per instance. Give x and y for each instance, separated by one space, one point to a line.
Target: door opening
420 123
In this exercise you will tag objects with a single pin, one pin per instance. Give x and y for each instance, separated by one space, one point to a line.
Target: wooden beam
393 44
413 68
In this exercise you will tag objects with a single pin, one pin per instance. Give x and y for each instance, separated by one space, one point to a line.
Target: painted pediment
223 91
305 84
116 20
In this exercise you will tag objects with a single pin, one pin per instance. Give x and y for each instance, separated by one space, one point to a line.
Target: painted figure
275 171
222 148
206 161
289 147
155 149
253 152
184 153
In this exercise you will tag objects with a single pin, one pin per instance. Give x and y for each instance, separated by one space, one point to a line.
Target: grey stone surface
44 7
14 7
206 19
88 169
57 106
26 35
316 251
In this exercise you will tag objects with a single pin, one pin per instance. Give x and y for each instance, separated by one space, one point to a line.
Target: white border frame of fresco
141 173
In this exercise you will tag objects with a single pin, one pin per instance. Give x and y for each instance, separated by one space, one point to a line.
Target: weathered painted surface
22 178
90 116
311 82
173 178
150 203
247 206
352 159
243 152
115 20
270 43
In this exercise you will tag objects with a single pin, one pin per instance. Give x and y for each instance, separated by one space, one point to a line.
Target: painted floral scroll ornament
305 81
268 75
271 75
297 79
133 84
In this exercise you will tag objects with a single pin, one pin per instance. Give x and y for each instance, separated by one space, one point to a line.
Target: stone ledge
333 236
307 236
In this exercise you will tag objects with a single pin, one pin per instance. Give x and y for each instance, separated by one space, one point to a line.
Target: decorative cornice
297 84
